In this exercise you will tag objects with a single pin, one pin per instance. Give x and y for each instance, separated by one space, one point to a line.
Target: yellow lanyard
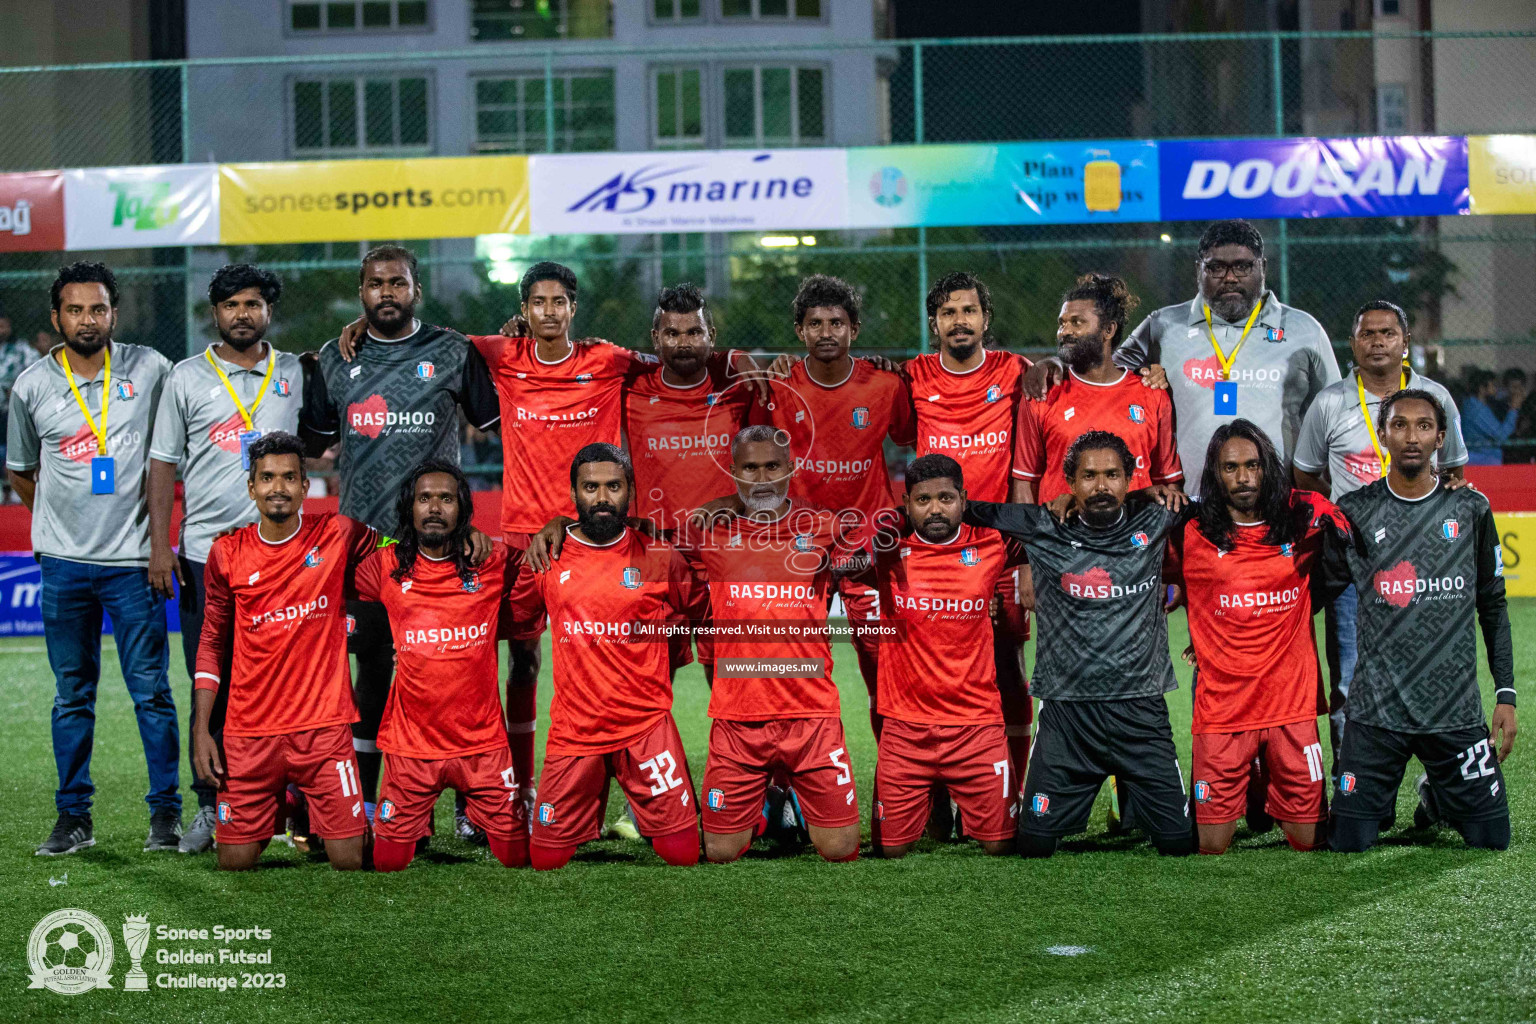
1226 360
1385 458
106 392
249 417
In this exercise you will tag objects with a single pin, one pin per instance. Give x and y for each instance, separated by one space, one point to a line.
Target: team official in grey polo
1278 368
202 417
1339 452
90 534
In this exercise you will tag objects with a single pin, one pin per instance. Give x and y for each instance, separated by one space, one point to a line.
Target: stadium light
778 241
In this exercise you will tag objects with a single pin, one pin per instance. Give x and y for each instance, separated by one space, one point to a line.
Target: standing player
216 404
273 611
1249 559
1102 665
1339 452
396 405
1426 562
938 686
76 455
609 599
443 725
837 412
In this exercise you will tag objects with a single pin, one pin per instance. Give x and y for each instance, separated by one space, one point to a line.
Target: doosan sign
1363 177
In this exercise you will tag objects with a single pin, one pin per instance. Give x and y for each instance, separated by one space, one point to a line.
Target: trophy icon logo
136 937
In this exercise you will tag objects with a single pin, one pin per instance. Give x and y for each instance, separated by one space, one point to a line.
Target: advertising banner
733 190
138 207
1014 183
21 608
356 200
1517 538
1381 176
1503 173
32 212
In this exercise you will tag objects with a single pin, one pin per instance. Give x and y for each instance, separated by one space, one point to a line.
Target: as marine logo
1202 791
1137 414
630 578
313 558
861 417
1040 804
1139 539
969 556
1450 529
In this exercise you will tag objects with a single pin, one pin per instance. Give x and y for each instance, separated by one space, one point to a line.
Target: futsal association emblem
1040 803
994 393
313 558
351 625
280 387
1287 550
1274 334
225 814
1347 782
425 370
969 556
546 814
715 798
387 811
712 399
1202 791
1137 414
1139 539
860 418
1450 529
802 542
631 578
125 390
471 583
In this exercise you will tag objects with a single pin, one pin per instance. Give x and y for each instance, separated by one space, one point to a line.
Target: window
677 10
501 20
510 113
679 107
684 258
771 9
774 106
360 116
356 15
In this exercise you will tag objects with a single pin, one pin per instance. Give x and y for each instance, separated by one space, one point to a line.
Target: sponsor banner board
141 207
32 212
1502 169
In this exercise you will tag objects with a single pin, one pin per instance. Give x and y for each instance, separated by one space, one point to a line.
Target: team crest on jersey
1347 782
1137 414
1450 529
713 399
879 810
387 811
969 556
1287 549
425 370
1140 540
802 542
861 417
546 814
1274 334
1202 791
470 583
313 558
225 814
1040 804
125 390
715 798
351 625
630 578
583 378
994 393
280 387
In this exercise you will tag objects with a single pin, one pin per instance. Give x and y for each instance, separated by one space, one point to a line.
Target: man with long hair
1248 557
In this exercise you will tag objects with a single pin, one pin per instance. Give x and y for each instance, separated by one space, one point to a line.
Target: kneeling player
938 685
1425 562
1247 557
610 596
283 580
442 726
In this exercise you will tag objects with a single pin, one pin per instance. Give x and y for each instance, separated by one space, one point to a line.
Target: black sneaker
1256 817
70 833
164 831
1427 813
467 831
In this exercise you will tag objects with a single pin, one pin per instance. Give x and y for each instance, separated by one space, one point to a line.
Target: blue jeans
74 595
1339 630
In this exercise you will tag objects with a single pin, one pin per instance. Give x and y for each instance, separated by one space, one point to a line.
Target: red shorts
518 591
652 772
1294 759
743 755
861 604
972 760
258 769
1010 628
412 785
696 614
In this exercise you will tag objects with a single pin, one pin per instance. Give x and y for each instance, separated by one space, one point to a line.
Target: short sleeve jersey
1140 416
937 667
1099 597
48 433
278 610
680 441
767 575
198 427
838 433
445 700
1335 436
1250 619
969 416
1284 363
608 607
549 412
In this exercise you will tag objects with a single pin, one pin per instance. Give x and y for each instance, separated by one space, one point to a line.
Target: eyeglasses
1239 268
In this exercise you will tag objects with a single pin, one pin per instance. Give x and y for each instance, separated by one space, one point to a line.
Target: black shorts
1078 744
1462 766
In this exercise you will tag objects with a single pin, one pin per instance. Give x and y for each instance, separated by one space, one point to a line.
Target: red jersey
549 412
761 573
938 667
1250 619
969 416
608 606
1140 416
445 700
278 612
680 441
837 435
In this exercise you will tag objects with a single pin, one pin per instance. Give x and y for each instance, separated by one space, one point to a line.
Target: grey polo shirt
198 427
1334 435
49 434
1285 363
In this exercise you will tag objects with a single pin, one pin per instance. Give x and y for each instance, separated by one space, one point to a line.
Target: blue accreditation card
1226 398
103 475
247 438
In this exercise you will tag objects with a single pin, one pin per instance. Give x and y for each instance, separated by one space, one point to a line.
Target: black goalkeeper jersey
1099 596
1424 570
393 406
